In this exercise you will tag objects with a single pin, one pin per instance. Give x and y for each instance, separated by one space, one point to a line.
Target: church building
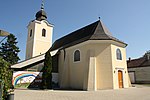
89 58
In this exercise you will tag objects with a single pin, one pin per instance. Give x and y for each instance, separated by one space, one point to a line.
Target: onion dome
41 15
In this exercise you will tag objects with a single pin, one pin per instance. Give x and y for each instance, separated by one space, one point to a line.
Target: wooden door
120 79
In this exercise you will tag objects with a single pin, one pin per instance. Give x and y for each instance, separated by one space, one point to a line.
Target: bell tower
40 32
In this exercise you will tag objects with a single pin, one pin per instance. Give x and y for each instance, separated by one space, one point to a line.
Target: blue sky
128 20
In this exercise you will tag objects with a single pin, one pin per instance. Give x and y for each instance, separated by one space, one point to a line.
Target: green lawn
146 85
23 85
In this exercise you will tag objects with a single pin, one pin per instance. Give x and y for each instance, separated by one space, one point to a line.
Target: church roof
94 31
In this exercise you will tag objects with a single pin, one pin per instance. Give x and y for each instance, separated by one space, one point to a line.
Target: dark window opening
30 33
119 55
76 55
44 33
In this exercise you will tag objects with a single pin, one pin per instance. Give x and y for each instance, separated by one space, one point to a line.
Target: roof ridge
136 59
77 30
94 31
75 35
105 29
108 33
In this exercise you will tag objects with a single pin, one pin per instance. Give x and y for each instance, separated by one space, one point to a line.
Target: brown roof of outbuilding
140 62
94 31
135 62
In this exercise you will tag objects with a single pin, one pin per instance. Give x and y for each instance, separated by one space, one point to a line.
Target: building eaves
94 31
75 36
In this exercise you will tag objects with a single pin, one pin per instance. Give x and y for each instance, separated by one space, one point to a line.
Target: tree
5 76
9 50
47 72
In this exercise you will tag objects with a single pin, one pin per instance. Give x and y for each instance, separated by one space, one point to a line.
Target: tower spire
41 15
42 5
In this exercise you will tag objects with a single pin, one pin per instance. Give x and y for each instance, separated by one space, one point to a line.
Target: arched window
76 55
43 32
30 32
118 54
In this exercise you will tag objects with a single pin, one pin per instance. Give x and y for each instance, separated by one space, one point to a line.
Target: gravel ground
140 93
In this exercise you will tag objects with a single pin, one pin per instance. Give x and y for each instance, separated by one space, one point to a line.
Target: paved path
122 94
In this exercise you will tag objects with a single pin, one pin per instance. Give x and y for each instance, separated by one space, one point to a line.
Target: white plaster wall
37 44
119 65
76 74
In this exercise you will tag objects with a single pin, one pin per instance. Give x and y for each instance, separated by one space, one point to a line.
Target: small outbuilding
139 69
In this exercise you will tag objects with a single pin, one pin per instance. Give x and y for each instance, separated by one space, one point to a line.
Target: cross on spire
42 5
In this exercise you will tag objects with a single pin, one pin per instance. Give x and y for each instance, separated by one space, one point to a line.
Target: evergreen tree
9 50
47 72
5 76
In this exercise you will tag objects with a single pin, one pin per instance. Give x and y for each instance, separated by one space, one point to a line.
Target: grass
146 85
23 85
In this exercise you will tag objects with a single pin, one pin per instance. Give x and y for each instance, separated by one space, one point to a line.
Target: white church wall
71 74
103 65
76 74
38 44
119 65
